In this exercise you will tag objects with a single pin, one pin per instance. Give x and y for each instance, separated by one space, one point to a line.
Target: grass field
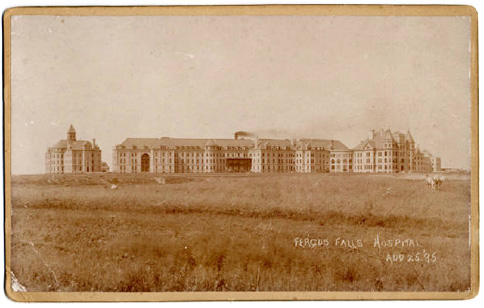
239 233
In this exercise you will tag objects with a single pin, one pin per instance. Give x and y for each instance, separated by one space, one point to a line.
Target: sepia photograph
241 152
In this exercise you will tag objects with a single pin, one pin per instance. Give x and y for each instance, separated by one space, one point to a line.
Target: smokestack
244 135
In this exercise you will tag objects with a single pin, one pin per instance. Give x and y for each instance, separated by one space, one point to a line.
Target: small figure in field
435 182
438 181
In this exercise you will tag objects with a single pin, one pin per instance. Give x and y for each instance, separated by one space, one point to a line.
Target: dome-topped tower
71 134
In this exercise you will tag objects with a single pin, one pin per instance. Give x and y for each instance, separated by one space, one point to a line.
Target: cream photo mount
244 10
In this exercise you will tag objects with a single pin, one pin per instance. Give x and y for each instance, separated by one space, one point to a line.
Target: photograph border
238 10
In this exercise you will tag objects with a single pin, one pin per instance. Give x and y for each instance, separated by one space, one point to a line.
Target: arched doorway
145 163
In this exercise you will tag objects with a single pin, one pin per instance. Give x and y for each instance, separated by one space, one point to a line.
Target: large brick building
387 152
382 152
73 156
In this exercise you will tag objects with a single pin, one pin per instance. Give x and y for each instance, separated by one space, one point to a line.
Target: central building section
239 164
244 153
383 152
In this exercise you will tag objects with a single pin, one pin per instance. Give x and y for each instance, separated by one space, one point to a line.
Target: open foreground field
314 232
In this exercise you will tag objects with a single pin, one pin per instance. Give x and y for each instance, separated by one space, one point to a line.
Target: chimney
93 142
332 144
371 134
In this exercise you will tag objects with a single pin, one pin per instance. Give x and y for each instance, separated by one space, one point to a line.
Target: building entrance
145 163
239 164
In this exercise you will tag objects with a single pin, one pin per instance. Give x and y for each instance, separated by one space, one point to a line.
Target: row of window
341 168
258 168
341 154
122 155
69 162
273 168
61 169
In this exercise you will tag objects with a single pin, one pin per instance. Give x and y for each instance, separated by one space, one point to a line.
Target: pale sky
332 77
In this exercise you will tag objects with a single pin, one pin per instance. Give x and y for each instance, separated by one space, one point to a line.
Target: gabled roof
141 142
384 134
275 142
339 146
153 143
362 145
75 145
427 153
398 135
409 136
80 144
61 144
210 142
317 143
326 144
378 141
234 142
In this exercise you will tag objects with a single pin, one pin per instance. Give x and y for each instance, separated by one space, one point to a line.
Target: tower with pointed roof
387 152
73 156
71 134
